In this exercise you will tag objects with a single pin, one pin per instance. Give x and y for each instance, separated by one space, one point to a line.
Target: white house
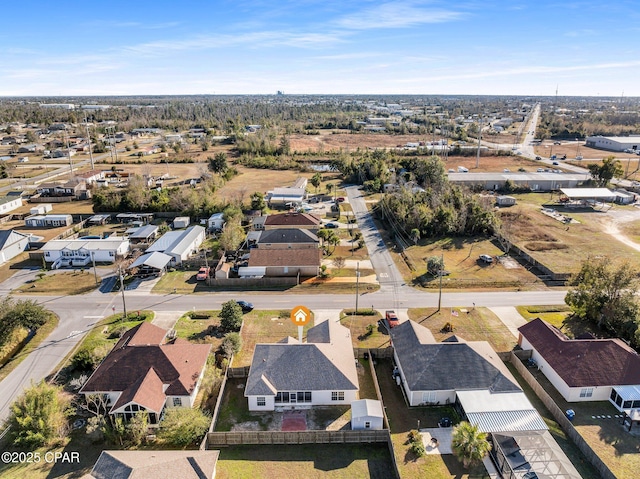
366 414
142 373
283 196
215 222
584 369
10 203
48 221
294 375
180 245
12 244
82 252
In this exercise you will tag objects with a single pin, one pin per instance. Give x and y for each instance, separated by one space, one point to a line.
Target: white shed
366 414
215 222
181 222
505 201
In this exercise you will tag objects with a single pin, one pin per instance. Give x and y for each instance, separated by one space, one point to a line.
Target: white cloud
397 14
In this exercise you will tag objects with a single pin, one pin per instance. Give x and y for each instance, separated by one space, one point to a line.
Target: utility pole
440 274
66 139
357 283
86 124
93 259
124 304
479 139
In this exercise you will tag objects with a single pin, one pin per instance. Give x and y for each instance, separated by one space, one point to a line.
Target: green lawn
264 327
554 315
334 461
67 283
197 330
360 336
476 324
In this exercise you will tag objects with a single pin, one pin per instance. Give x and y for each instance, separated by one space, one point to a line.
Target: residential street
79 314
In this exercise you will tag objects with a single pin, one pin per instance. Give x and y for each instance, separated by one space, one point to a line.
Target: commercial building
614 143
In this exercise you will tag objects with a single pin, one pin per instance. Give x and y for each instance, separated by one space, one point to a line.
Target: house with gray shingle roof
432 372
290 374
288 238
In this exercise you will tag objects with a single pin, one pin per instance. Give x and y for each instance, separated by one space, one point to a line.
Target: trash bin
570 414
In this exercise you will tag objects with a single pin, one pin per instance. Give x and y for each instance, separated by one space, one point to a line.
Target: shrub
183 427
231 344
418 449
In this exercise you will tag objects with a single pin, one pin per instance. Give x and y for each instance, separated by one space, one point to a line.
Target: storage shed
366 414
505 201
181 222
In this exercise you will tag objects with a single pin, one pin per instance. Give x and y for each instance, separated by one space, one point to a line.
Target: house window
337 395
586 392
261 401
627 404
307 396
429 397
367 424
282 397
614 394
177 402
111 253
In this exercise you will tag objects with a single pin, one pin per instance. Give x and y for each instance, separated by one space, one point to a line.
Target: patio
437 440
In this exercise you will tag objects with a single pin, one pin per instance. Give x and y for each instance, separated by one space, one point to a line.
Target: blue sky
324 46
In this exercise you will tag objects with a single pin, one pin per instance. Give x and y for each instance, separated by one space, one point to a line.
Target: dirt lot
573 148
251 179
562 246
329 140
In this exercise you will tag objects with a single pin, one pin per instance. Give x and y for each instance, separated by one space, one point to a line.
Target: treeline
605 123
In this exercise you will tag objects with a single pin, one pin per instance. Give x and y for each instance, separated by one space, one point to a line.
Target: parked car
485 258
331 225
557 143
538 158
390 319
245 306
506 170
340 199
203 273
540 170
555 163
579 157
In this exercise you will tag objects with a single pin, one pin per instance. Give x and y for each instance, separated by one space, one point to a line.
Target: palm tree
415 235
469 444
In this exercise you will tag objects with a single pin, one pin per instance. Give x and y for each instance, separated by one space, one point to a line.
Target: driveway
510 317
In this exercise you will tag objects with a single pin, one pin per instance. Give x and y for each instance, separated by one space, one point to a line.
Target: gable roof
292 219
431 366
288 235
285 257
584 362
312 366
140 368
156 464
156 260
366 408
144 232
9 237
177 242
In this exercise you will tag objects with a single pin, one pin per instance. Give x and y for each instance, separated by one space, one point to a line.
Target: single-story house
468 375
366 414
292 220
9 203
143 234
99 219
12 243
76 188
48 221
288 238
215 222
141 373
168 465
91 176
180 244
584 369
320 372
151 264
82 252
287 262
144 218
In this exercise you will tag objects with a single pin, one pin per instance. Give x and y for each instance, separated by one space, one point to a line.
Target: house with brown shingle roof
584 369
287 262
292 220
143 373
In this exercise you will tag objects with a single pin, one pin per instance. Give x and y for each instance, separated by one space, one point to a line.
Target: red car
340 199
391 319
203 273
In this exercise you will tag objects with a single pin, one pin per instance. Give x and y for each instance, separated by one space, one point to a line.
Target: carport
581 197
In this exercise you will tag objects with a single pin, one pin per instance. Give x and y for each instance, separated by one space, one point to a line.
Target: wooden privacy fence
562 420
217 439
374 353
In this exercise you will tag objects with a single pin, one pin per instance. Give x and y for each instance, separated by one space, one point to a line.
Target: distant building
9 203
614 143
